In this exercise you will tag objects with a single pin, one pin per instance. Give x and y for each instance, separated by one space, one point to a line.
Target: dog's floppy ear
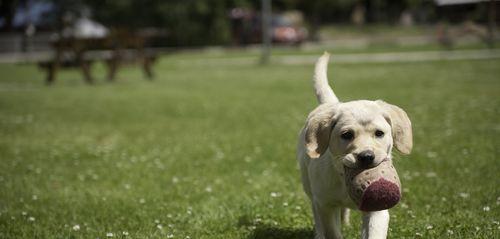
318 128
401 127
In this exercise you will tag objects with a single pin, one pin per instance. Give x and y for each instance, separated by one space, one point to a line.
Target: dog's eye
348 135
379 133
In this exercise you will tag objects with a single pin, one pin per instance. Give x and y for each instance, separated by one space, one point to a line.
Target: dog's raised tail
323 91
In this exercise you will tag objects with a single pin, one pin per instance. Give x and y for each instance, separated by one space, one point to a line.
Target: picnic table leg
147 65
112 67
52 69
85 65
51 73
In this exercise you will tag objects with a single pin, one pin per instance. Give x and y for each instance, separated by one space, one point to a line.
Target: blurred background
179 119
33 26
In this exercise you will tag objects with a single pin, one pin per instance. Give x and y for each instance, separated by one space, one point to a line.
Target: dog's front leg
375 225
327 222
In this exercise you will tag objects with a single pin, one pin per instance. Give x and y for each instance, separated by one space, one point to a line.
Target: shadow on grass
266 231
274 232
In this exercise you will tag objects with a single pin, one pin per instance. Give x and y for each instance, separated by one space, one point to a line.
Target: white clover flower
175 180
431 154
429 227
463 195
486 209
431 175
274 194
450 232
24 213
125 233
109 234
159 226
170 236
76 227
31 219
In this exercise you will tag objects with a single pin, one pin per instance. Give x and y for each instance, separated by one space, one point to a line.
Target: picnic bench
114 50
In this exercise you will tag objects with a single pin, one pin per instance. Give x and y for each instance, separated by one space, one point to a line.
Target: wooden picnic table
114 50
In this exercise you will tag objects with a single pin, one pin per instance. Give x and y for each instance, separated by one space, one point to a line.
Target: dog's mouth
353 164
386 159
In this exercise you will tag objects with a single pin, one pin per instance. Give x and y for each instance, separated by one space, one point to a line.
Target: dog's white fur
323 154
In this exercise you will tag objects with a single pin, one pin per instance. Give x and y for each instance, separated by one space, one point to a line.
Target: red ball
380 195
374 189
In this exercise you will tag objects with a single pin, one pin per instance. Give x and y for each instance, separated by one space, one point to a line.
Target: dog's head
359 134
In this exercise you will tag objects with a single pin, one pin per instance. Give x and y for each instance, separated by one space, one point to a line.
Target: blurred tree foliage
189 22
197 22
201 22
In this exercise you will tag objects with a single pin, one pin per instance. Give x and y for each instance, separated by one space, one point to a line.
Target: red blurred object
287 27
288 35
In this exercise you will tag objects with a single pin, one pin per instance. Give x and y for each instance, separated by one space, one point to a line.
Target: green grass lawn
208 152
377 30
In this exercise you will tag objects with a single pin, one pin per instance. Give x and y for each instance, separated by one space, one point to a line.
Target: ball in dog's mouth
374 189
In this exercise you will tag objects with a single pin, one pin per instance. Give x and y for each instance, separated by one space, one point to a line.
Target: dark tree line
197 22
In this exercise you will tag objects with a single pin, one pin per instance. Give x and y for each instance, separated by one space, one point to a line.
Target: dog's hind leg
327 222
346 216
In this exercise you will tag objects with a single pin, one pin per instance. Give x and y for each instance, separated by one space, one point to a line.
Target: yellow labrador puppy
336 135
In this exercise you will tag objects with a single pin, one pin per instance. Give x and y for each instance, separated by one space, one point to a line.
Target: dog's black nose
366 158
